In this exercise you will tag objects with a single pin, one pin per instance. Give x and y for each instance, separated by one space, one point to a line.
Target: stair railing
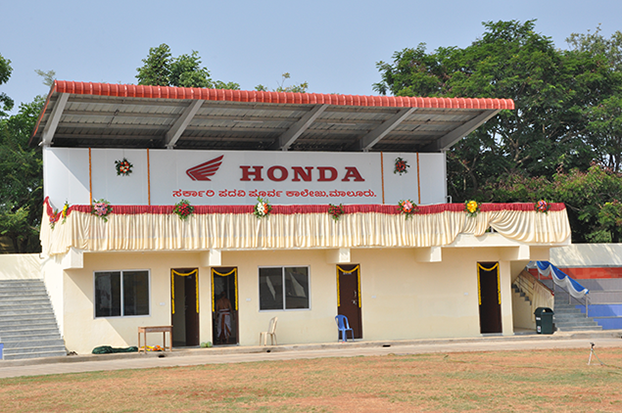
567 284
538 293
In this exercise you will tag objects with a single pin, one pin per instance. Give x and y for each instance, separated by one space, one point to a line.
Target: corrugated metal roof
79 114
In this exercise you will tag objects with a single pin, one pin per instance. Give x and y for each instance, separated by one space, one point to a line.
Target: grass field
508 381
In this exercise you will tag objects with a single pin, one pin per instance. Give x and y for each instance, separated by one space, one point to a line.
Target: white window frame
122 292
282 267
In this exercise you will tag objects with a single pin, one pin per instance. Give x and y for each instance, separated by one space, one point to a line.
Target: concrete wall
20 266
401 298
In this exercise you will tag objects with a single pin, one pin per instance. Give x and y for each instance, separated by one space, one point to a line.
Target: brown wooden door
349 296
225 306
185 306
489 297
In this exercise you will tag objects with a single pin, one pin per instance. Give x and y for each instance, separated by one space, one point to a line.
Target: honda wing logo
205 170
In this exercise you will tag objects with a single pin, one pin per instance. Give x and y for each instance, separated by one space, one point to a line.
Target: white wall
587 255
74 175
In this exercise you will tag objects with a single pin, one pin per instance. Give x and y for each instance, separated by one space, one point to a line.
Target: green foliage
21 191
48 76
160 68
6 103
592 199
568 116
300 88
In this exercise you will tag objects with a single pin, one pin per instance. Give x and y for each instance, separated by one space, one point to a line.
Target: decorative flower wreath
542 206
123 167
183 209
101 208
471 208
54 218
57 216
401 166
336 211
407 207
262 208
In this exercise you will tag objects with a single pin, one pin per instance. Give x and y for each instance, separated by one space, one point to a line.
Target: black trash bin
544 320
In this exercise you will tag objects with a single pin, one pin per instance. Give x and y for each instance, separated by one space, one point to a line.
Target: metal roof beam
52 123
289 137
447 141
373 137
173 135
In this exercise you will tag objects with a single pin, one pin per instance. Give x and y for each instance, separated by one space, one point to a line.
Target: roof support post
289 137
373 137
52 124
173 135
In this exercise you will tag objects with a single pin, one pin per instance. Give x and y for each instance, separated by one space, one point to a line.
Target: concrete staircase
568 317
28 327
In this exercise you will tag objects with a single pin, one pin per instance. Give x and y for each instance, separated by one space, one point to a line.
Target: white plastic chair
263 336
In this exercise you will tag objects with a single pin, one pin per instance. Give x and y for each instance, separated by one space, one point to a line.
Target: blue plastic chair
344 326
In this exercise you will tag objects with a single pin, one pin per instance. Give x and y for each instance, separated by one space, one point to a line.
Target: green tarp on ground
108 349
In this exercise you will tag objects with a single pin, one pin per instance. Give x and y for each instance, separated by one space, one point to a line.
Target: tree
21 187
551 89
592 198
604 128
160 68
6 103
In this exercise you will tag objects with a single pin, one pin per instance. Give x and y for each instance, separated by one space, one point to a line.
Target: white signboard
164 177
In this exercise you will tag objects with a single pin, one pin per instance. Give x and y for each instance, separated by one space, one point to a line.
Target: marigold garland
183 209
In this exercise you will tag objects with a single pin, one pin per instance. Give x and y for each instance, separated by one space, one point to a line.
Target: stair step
39 354
28 327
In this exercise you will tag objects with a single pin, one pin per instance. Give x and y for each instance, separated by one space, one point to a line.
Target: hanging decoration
262 208
471 208
336 211
101 208
407 207
183 209
123 167
401 166
542 206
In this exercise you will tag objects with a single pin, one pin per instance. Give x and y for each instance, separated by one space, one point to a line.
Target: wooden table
156 329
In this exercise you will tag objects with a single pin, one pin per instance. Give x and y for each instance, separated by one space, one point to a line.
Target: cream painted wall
401 298
83 331
316 325
20 266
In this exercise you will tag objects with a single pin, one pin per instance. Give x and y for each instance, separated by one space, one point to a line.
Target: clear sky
332 45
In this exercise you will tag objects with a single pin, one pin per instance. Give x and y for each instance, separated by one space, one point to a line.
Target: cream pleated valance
157 228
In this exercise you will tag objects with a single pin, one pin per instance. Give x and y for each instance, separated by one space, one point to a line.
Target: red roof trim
167 92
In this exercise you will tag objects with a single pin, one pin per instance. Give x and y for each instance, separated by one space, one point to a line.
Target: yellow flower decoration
471 208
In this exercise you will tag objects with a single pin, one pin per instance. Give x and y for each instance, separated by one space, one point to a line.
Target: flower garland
101 208
57 216
542 206
183 209
262 208
336 211
407 207
471 208
123 167
401 166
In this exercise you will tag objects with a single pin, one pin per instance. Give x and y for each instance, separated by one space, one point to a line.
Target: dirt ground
547 380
